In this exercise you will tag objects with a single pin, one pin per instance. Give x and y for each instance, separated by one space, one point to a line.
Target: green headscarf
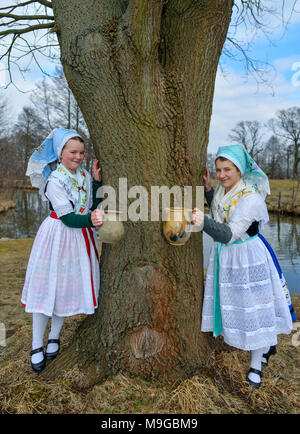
250 171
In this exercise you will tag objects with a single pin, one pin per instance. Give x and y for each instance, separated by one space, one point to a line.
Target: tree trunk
296 158
143 74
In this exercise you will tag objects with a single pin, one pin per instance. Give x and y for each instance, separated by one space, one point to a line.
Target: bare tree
4 132
274 152
54 102
210 162
43 101
58 102
3 116
287 125
28 132
288 154
250 135
20 25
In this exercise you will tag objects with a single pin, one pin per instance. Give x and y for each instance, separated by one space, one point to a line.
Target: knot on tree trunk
147 342
150 345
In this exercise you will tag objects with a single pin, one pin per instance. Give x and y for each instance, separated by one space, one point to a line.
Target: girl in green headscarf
243 298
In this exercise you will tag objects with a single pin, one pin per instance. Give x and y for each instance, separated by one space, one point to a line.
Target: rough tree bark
143 74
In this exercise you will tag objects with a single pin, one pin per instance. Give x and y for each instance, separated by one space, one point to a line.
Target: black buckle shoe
272 351
252 383
51 356
38 367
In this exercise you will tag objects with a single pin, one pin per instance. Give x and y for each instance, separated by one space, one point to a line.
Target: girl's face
227 174
72 155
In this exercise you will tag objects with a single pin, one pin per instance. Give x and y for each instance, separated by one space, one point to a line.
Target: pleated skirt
253 305
63 275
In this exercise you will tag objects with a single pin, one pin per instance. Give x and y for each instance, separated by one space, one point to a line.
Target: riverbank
284 198
5 202
219 387
16 183
6 205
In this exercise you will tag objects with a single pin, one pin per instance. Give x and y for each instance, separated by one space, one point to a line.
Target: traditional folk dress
63 275
243 299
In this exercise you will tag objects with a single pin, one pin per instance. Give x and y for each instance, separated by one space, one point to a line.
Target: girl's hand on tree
206 179
96 171
198 217
97 217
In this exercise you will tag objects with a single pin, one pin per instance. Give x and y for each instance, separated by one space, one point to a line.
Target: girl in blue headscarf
243 300
62 277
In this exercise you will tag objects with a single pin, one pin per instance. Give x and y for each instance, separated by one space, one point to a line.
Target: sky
238 97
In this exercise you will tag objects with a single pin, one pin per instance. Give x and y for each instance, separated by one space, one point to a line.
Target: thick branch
261 70
11 8
26 29
144 18
46 3
26 17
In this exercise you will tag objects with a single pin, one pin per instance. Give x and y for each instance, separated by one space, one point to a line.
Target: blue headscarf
250 171
48 152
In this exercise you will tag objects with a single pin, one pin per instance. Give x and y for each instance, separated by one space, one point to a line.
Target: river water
283 233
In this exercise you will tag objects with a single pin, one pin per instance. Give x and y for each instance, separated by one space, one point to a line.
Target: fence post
2 335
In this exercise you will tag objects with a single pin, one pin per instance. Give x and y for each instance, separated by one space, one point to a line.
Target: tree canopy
28 32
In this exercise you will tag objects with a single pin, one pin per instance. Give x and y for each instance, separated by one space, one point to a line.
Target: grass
289 192
220 388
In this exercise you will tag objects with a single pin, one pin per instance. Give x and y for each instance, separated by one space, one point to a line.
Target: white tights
39 324
256 359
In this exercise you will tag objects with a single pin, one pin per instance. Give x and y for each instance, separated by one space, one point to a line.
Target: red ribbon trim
88 249
54 216
93 242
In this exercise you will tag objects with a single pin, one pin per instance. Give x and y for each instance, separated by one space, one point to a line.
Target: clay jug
112 229
177 225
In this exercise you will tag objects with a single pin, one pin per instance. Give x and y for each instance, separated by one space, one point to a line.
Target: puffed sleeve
250 208
58 197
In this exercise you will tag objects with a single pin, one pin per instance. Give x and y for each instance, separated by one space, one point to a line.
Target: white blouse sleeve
58 198
250 208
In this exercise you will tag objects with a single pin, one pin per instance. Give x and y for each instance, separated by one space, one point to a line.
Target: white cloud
236 100
286 64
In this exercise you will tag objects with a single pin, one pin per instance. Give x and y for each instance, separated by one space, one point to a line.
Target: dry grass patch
220 388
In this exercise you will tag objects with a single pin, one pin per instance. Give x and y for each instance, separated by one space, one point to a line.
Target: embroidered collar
223 204
75 186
